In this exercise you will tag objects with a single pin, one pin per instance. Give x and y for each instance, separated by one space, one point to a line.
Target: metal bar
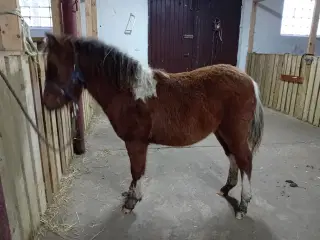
70 27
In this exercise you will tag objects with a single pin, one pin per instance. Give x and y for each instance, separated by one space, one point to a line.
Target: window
36 13
297 17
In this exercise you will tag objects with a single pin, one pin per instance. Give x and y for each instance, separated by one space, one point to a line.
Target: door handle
186 55
188 36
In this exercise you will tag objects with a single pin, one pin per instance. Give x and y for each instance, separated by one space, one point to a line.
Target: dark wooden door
171 34
207 50
181 33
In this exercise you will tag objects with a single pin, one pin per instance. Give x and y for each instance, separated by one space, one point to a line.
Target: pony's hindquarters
257 123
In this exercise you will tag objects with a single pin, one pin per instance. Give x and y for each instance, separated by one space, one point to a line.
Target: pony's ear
51 41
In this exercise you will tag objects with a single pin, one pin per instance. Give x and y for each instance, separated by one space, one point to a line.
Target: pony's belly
179 138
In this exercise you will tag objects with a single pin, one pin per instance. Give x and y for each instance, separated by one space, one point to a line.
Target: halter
76 78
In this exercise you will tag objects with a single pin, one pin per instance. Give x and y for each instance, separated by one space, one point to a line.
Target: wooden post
79 25
252 26
314 28
56 16
94 18
88 10
251 32
10 27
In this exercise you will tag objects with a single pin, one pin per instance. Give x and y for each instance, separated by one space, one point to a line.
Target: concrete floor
180 200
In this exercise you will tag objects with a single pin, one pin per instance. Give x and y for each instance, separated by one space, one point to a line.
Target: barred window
36 13
297 17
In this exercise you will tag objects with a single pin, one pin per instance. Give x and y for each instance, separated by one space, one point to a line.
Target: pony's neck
109 72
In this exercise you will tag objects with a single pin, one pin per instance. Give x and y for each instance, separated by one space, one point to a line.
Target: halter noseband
76 78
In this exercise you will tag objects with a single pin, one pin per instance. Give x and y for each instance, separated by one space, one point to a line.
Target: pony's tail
257 123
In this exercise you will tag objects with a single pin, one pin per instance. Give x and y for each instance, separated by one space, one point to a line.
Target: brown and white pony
147 106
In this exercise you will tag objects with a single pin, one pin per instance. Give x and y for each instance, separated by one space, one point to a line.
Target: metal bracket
309 60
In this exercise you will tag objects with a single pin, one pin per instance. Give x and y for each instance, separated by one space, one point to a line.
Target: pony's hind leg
244 161
137 152
232 179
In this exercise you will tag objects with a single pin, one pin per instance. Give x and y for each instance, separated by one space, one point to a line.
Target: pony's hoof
126 210
130 202
220 194
240 215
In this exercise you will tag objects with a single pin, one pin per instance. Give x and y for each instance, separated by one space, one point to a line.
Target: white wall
267 38
113 16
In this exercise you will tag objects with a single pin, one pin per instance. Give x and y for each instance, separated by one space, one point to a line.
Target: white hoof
239 215
126 210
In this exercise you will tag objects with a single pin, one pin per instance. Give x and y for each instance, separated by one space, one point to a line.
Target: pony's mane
104 60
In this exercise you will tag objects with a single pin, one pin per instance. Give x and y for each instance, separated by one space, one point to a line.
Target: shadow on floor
221 227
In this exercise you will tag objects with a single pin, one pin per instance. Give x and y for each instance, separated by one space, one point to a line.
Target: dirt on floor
180 200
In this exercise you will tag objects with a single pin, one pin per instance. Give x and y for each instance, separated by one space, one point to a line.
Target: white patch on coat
246 188
145 87
137 190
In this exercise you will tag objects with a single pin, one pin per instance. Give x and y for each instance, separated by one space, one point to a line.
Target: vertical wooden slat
94 18
315 92
60 144
277 88
273 79
248 63
269 78
14 134
253 65
28 148
88 11
295 86
39 115
290 85
55 136
7 152
35 150
263 77
281 86
302 89
285 84
260 70
49 134
309 88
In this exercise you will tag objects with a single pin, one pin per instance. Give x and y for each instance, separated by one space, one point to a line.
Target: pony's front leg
137 152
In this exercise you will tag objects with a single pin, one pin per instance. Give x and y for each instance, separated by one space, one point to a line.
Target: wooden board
279 70
309 89
94 18
286 84
88 13
49 133
314 97
268 80
7 152
291 72
35 81
10 25
273 79
302 89
18 70
295 85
